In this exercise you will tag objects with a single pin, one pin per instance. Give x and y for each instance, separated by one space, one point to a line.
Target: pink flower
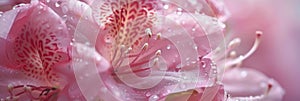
125 50
154 49
34 48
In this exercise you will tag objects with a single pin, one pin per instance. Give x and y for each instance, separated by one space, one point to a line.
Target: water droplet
179 11
166 6
117 93
1 13
244 74
169 47
47 1
187 59
64 18
203 64
148 94
153 98
108 40
178 66
193 62
64 9
215 71
58 3
194 29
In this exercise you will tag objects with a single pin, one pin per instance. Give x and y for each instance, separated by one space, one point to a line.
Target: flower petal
38 44
245 82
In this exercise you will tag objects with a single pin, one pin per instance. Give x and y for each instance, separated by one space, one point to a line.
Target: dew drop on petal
64 18
203 64
58 3
187 59
47 1
244 74
64 9
148 94
194 29
108 40
166 6
169 47
153 98
1 13
179 11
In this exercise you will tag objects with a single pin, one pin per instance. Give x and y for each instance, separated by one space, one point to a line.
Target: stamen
234 43
232 54
122 47
155 63
243 57
270 86
158 37
145 47
158 53
148 32
256 44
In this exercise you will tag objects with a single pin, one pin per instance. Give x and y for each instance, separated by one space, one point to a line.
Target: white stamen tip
232 54
158 52
148 32
258 33
10 86
158 36
145 46
234 43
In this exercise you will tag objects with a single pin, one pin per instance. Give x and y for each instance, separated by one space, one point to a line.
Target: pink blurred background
278 54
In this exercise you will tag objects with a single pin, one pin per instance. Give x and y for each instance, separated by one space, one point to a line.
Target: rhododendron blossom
131 50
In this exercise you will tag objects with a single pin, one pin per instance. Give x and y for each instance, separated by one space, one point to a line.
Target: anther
128 50
232 54
258 33
155 61
158 36
256 44
270 86
234 43
158 53
10 86
148 32
145 46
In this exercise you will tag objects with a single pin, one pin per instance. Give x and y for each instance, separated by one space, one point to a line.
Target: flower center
128 26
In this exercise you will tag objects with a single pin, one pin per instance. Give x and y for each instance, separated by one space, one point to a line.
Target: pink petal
245 82
37 43
214 93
